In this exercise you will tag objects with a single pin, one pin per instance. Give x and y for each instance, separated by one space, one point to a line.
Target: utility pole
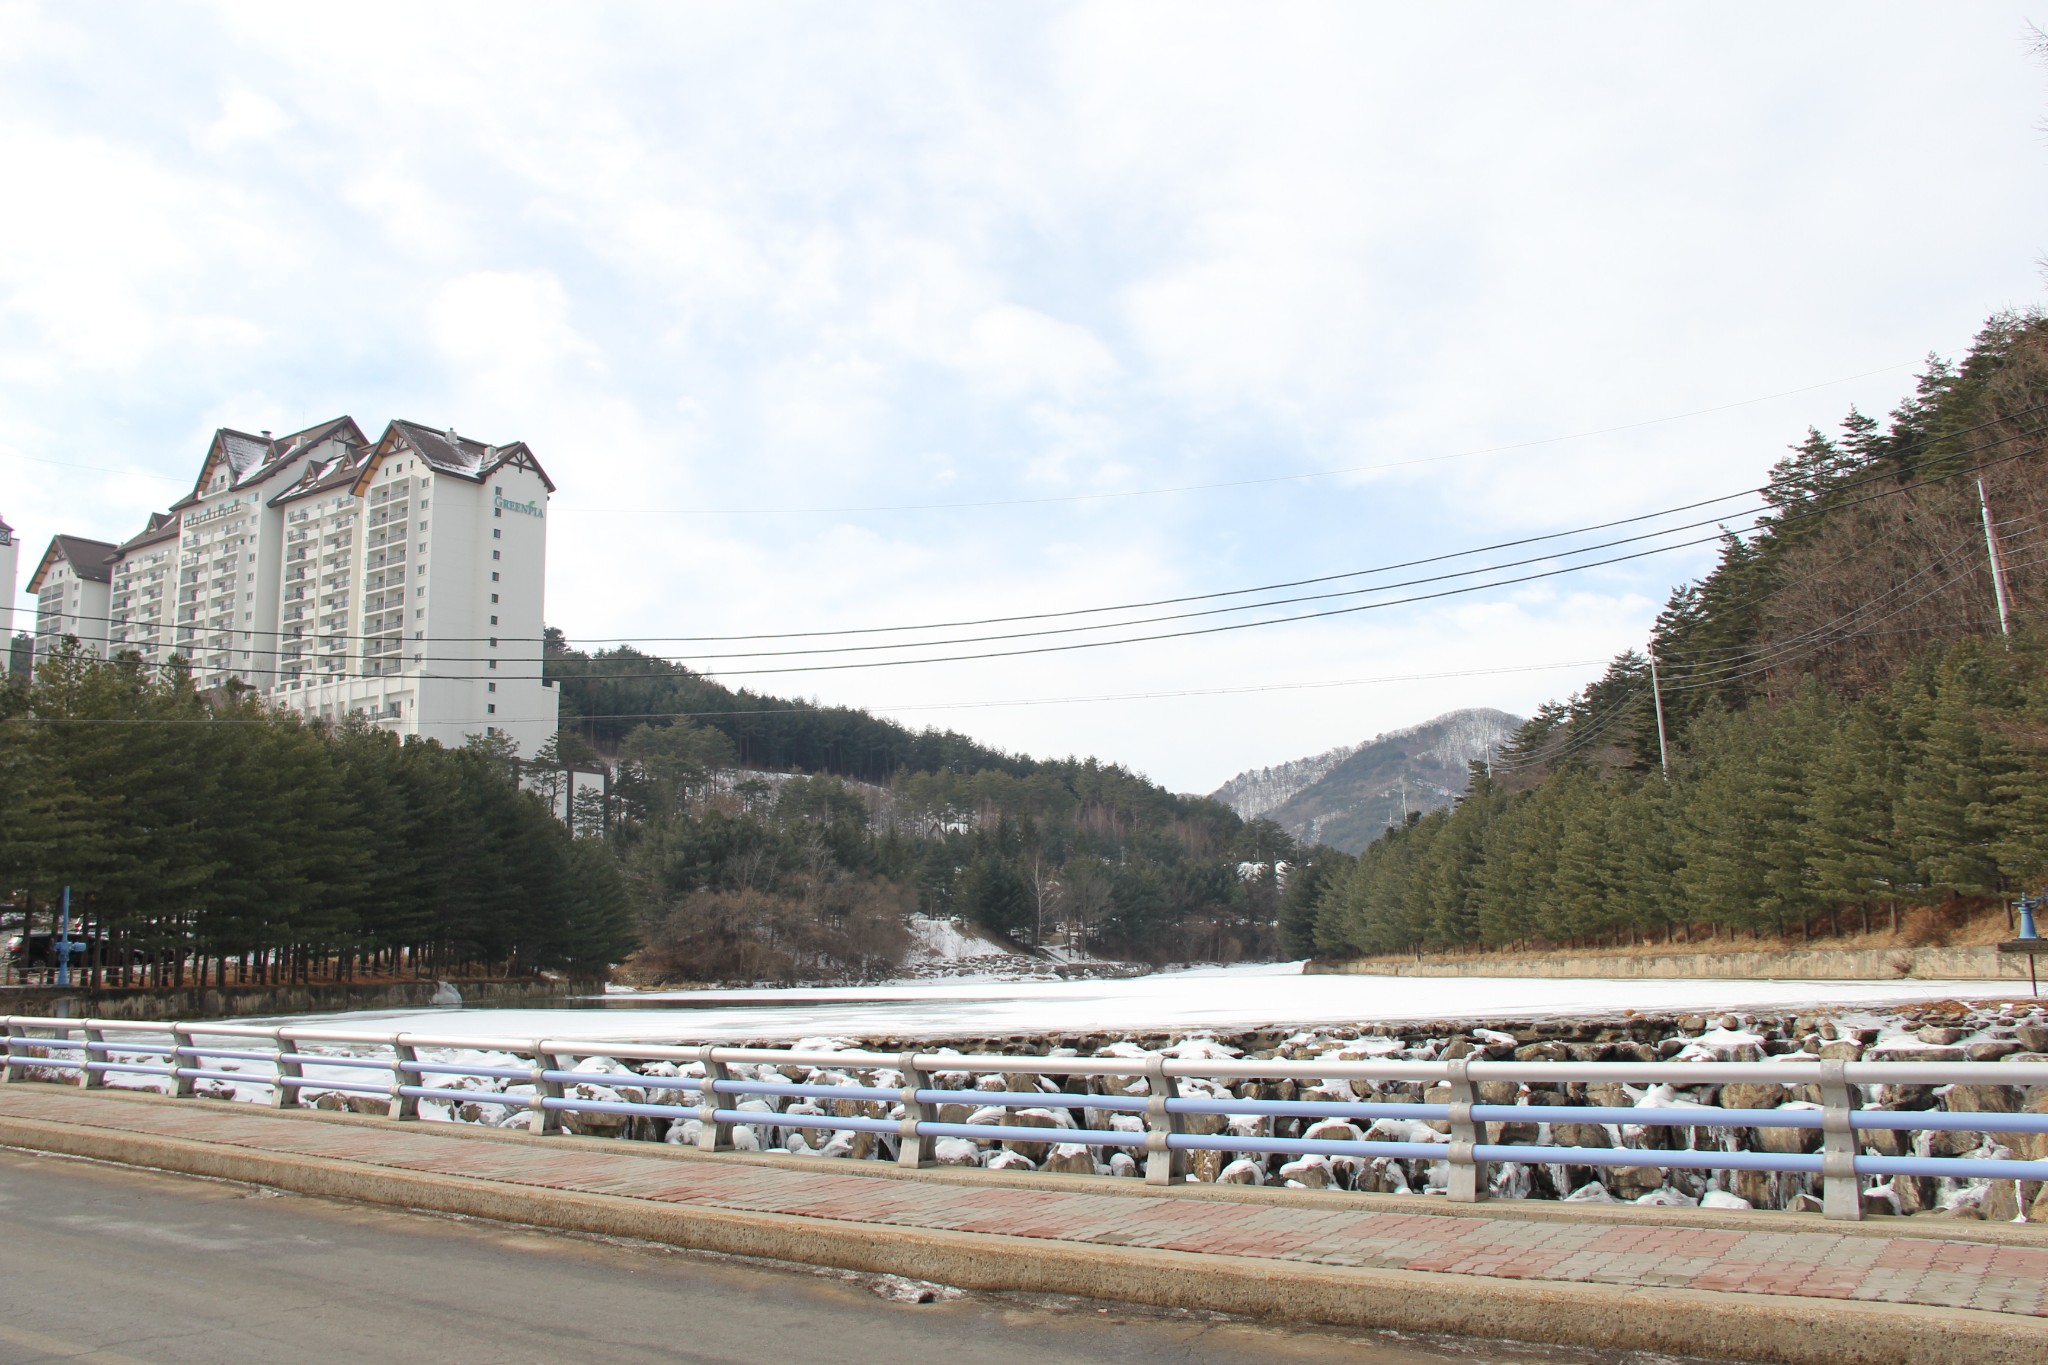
1997 564
1657 700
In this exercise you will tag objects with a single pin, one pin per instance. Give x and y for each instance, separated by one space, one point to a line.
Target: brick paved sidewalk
1868 1263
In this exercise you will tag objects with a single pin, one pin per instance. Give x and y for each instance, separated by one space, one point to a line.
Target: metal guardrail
93 1049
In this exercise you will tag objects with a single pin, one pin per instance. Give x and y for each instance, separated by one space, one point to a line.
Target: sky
830 318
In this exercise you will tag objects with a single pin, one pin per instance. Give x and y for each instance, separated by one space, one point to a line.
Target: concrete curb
1929 1227
1793 1331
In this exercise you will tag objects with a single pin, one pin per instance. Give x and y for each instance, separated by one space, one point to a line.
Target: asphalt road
110 1266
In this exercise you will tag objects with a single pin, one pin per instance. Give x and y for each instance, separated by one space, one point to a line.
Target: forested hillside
1850 735
606 695
735 876
205 839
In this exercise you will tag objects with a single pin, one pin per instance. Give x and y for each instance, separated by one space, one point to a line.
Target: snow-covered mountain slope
1254 792
1346 796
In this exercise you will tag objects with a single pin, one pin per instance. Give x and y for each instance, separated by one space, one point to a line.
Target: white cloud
245 117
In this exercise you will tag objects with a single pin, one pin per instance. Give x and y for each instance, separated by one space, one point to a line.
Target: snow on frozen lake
1219 998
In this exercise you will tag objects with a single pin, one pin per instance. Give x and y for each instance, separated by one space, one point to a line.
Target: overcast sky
732 270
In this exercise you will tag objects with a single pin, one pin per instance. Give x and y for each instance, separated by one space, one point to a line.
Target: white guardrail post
1162 1163
910 1144
1841 1189
283 1096
403 1106
712 1135
88 1077
181 1084
1468 1176
12 1070
542 1119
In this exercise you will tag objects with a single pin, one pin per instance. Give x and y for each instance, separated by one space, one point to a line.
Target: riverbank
1975 962
232 1002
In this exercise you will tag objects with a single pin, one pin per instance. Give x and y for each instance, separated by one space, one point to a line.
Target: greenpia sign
505 504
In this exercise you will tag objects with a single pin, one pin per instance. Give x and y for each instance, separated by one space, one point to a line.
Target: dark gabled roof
341 472
162 526
5 529
449 453
91 560
252 459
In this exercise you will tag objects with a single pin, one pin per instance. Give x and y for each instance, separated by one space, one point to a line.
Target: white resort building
402 580
10 550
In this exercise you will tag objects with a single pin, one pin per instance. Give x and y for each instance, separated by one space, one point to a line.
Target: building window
419 613
491 708
494 620
497 533
497 511
423 568
497 554
494 599
494 663
493 687
494 642
419 592
494 575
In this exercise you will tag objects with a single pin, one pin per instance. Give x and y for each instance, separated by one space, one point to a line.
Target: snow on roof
162 526
336 472
448 452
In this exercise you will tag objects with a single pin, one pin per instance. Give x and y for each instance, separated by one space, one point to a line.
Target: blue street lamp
64 941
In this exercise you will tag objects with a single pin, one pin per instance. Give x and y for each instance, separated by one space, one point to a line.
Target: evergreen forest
1852 729
206 840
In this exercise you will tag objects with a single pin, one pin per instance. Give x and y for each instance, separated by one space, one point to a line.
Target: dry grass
1961 925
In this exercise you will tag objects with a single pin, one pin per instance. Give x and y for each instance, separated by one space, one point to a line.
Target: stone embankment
1976 963
1945 1031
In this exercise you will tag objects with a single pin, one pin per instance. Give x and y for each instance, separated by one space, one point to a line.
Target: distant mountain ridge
1257 790
1345 796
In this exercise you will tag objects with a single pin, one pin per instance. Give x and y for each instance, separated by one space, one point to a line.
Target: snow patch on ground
946 941
1215 998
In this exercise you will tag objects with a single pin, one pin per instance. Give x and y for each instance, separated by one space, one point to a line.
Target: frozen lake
1222 998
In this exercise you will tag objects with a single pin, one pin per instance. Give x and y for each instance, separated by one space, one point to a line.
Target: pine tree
1856 857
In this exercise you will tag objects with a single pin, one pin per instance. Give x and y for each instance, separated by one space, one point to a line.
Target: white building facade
71 584
402 580
10 551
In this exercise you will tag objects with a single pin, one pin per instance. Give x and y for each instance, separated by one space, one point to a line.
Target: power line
1328 578
1302 616
1765 659
786 711
1771 649
1767 511
1833 506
